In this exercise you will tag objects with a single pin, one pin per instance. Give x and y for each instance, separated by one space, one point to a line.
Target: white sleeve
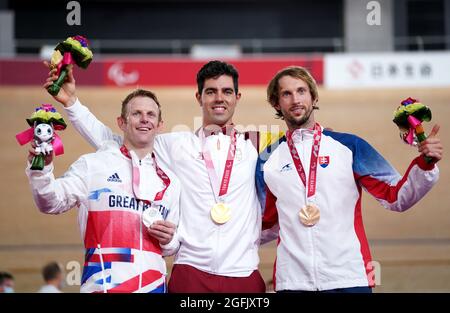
418 180
172 247
414 185
89 127
55 196
174 217
162 147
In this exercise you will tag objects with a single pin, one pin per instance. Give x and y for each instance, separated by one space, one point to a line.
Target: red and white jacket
334 253
120 255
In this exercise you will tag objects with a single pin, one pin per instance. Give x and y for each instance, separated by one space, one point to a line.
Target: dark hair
4 276
214 69
51 271
295 72
140 93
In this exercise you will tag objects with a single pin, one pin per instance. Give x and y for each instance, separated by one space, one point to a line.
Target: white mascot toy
43 137
43 124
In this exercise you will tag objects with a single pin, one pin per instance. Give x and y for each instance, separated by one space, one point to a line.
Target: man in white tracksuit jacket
113 188
314 180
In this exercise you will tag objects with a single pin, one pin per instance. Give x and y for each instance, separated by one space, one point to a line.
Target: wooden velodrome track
413 248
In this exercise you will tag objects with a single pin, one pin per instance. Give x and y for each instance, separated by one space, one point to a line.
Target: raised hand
48 158
66 95
432 146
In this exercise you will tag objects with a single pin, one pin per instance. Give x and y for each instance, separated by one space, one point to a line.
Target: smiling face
141 123
218 100
295 102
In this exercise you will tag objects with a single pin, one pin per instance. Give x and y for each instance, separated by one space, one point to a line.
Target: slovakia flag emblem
324 161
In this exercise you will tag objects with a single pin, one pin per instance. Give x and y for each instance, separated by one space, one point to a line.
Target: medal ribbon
214 180
311 186
136 176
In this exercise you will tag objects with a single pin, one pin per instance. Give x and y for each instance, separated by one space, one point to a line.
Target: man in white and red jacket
115 190
314 180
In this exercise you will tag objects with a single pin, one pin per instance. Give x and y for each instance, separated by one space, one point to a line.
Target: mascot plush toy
43 122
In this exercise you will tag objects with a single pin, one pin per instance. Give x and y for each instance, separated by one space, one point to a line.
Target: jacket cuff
172 246
74 108
423 165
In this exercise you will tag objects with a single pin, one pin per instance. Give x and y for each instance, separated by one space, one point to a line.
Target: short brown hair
51 271
140 93
295 72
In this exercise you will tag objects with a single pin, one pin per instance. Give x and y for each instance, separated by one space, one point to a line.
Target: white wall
387 70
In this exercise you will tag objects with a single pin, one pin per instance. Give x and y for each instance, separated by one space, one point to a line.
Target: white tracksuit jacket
334 253
120 255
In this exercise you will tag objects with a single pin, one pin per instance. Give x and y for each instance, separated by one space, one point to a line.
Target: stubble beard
301 123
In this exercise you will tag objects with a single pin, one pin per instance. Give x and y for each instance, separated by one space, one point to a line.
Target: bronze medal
309 215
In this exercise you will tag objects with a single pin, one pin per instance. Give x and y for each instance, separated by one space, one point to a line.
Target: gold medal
220 213
309 215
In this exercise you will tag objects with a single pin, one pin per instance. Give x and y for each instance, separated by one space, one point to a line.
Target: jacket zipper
311 230
103 268
141 214
217 252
